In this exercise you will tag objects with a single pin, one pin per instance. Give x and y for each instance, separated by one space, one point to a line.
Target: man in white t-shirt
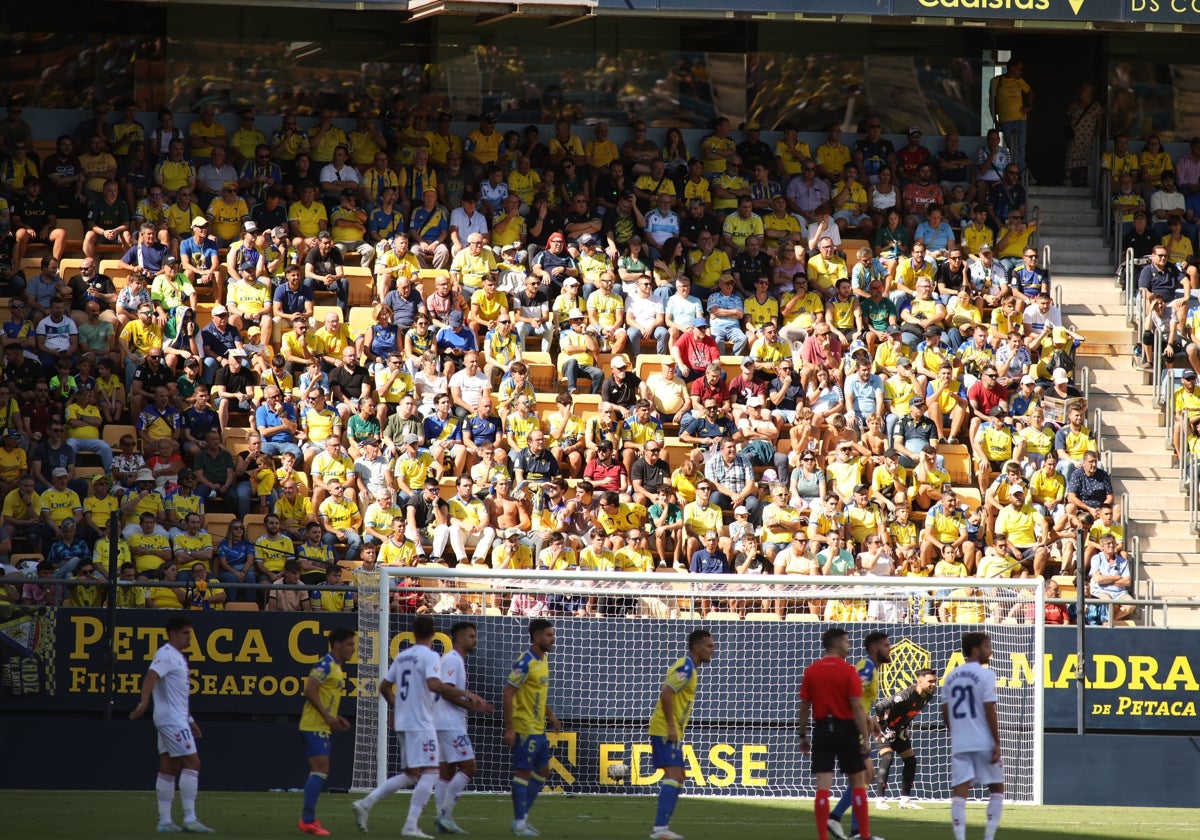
412 684
646 317
167 682
969 710
454 745
57 335
467 385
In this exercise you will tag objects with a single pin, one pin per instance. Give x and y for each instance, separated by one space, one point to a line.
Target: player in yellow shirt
323 691
669 722
526 714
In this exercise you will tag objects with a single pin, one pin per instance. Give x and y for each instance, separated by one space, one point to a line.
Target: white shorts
176 742
977 767
454 746
418 748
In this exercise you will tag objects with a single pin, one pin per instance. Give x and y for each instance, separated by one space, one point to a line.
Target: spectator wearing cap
234 386
217 339
695 350
621 224
171 290
913 433
579 353
453 342
198 255
465 222
349 228
227 212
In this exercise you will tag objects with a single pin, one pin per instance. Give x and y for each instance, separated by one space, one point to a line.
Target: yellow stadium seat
723 616
762 616
648 363
112 434
361 321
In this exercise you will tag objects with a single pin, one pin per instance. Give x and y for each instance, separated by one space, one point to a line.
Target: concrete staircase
1134 433
1070 222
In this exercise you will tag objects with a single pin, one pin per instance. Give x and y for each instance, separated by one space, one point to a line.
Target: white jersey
171 690
965 692
450 717
409 673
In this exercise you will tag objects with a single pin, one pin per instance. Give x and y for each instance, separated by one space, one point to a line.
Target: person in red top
605 472
822 349
983 396
711 386
695 350
831 696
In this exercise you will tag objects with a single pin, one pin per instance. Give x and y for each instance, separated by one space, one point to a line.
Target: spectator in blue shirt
725 313
454 342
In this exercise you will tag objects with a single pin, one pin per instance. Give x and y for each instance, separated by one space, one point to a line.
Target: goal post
618 632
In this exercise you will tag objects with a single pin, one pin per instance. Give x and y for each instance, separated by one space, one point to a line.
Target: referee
831 696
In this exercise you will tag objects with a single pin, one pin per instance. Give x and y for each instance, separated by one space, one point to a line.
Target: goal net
618 633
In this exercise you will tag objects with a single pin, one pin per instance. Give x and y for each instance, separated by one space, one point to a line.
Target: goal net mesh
618 633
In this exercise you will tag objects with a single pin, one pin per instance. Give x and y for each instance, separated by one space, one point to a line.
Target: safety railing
1046 256
1127 273
1098 428
1160 385
1058 291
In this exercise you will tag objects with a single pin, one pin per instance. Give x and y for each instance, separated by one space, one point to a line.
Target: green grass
119 816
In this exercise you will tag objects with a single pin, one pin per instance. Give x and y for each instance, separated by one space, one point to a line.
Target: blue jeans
353 543
239 594
725 503
660 335
546 331
732 333
279 447
1015 134
95 446
572 370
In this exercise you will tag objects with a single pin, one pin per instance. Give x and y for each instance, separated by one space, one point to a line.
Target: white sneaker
664 834
168 828
524 829
362 812
906 804
197 827
882 805
415 831
835 828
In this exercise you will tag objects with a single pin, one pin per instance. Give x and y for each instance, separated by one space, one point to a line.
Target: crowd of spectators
884 309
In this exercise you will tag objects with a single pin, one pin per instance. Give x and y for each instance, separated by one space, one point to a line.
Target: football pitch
42 815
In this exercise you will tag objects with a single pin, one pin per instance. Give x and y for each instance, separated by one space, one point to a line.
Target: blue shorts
666 753
531 752
315 743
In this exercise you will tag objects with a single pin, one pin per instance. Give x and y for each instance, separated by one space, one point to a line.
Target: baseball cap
748 362
235 353
229 185
917 401
1028 380
754 402
250 227
194 362
699 322
619 362
904 361
741 510
456 318
1060 376
199 221
254 330
696 202
587 239
998 411
279 232
513 533
349 193
59 472
170 261
570 281
409 438
220 309
12 433
1187 374
575 314
752 125
933 329
96 479
912 129
985 248
1018 490
143 475
429 190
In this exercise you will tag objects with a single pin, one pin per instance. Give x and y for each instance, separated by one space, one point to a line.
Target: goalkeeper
895 715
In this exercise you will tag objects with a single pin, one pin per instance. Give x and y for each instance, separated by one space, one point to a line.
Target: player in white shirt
969 710
454 745
411 687
167 682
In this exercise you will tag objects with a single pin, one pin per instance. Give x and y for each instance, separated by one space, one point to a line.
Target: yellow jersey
530 676
332 680
273 552
682 678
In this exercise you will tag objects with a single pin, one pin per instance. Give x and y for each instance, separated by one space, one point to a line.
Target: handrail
1157 367
1098 427
1193 514
1046 256
1127 266
1085 376
1106 209
1058 292
1107 455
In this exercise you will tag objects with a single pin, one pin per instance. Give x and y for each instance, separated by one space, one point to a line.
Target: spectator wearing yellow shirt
850 203
206 134
728 187
341 520
825 268
718 149
1119 161
740 226
600 151
790 153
